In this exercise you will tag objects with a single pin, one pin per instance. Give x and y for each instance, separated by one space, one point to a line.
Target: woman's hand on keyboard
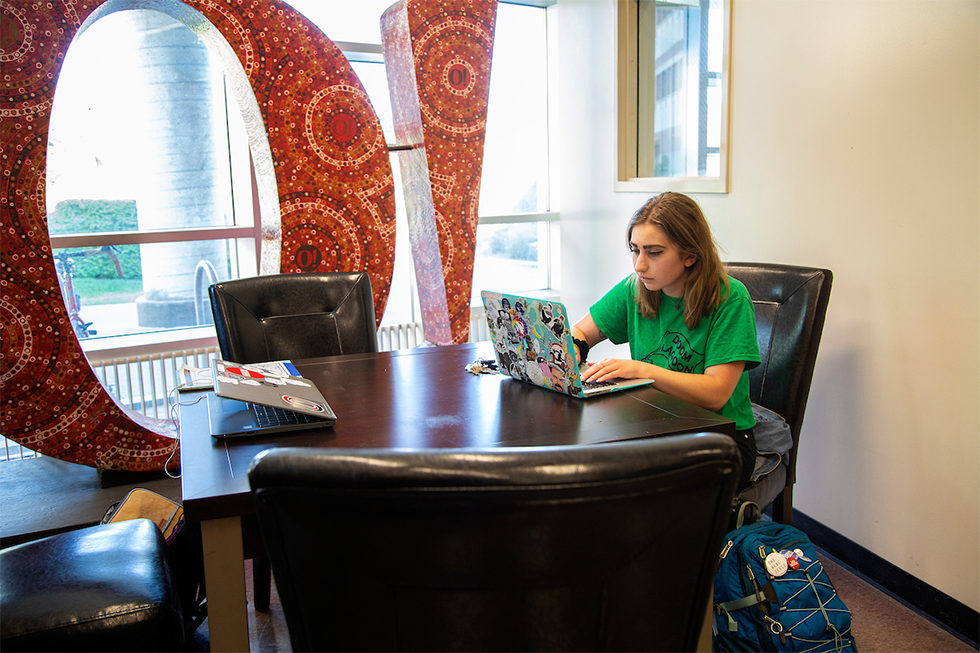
613 368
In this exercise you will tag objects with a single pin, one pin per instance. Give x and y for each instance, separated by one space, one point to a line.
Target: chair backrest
790 307
289 316
598 547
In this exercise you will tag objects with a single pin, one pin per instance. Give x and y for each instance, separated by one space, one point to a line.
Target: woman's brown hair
683 222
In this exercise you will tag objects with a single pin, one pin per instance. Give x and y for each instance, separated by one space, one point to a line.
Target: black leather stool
103 588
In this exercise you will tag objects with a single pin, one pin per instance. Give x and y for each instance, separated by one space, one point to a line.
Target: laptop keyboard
271 416
590 385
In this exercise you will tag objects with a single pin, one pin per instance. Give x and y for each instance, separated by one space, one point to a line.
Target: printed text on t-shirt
676 353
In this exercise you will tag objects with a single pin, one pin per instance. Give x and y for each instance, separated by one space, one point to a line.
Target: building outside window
148 189
673 95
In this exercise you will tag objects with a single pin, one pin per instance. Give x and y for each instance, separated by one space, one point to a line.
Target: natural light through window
143 159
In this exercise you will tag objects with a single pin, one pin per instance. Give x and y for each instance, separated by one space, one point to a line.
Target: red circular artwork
439 55
9 30
343 128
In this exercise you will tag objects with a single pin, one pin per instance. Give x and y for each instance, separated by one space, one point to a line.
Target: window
517 232
149 188
149 177
673 82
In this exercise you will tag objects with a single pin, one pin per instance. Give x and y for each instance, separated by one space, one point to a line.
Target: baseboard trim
958 618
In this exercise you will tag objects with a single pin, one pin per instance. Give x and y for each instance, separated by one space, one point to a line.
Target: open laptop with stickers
263 398
532 340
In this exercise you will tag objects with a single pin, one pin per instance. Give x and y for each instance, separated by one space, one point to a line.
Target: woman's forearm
710 390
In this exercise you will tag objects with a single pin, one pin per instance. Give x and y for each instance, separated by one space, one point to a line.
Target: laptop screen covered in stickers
532 341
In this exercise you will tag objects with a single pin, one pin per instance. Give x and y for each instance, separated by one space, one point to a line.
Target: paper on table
195 378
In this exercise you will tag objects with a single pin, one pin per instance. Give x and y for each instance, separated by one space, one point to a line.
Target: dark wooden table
409 399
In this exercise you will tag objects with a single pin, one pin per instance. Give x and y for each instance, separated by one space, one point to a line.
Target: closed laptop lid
269 384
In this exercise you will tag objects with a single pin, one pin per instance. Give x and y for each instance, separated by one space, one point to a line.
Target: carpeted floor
881 624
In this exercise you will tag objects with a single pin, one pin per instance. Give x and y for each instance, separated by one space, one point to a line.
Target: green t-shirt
724 336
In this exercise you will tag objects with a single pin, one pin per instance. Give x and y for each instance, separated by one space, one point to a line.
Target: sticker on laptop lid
306 404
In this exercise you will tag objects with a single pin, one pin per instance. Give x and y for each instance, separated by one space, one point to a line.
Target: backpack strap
743 510
728 607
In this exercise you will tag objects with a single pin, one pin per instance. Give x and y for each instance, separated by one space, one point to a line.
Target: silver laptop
263 399
532 339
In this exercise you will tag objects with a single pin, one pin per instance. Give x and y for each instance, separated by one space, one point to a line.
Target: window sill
107 348
678 184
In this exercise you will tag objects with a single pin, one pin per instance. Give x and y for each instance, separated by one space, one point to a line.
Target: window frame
628 115
245 236
245 239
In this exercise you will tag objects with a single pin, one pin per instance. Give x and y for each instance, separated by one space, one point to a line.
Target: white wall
855 147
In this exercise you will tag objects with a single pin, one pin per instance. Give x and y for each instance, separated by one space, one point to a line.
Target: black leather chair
790 308
596 547
288 316
102 588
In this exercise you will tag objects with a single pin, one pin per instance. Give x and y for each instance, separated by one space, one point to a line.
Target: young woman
690 326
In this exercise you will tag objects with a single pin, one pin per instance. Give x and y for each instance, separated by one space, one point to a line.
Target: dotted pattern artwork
335 185
335 193
437 56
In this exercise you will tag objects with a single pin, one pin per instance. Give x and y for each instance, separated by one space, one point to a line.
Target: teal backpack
772 594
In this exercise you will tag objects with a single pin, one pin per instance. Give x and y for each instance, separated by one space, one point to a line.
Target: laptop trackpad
229 416
222 405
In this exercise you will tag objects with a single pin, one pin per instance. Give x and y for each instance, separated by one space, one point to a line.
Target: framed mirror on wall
673 61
